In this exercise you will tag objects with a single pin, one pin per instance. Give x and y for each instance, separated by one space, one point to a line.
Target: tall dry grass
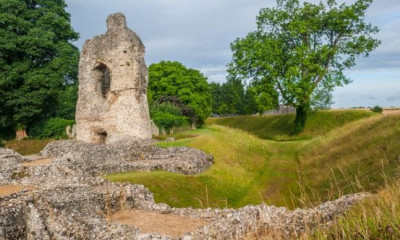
352 158
377 217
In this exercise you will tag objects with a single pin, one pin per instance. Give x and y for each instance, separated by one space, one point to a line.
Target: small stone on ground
39 162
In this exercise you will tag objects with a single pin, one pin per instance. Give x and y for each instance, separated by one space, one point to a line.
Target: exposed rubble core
64 199
113 78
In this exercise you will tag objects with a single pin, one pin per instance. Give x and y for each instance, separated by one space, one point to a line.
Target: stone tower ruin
113 78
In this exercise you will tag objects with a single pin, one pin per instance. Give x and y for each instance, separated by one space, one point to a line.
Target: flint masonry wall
113 78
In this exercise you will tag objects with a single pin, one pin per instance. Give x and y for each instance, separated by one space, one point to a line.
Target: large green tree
299 52
37 59
188 85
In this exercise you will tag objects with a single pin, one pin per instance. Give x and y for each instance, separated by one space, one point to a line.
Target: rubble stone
69 201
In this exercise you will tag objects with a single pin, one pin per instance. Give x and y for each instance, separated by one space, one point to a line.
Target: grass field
353 152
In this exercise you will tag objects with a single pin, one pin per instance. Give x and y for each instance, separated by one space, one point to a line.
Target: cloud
215 74
367 96
393 98
198 33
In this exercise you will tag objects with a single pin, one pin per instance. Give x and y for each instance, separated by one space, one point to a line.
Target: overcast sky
198 34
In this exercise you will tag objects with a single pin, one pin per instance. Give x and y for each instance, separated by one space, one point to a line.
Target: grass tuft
377 217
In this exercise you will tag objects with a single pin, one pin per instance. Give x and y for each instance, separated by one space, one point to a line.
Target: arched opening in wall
105 79
100 136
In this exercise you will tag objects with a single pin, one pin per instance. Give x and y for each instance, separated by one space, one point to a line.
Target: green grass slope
360 156
350 151
247 170
280 127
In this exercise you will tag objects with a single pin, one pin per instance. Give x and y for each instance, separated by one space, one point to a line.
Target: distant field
391 111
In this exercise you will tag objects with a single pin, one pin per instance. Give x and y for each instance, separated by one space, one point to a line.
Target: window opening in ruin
105 79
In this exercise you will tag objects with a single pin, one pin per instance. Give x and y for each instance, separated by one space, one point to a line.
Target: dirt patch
39 162
391 112
187 136
152 222
10 189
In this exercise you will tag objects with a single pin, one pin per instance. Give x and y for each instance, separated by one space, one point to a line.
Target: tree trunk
301 118
21 134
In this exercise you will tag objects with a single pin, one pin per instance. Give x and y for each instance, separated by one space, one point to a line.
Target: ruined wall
113 79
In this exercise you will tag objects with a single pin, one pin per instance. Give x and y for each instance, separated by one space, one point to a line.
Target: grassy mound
281 127
360 156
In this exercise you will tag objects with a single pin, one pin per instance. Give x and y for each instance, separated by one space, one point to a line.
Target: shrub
166 107
7 133
377 109
167 116
190 86
51 128
1 143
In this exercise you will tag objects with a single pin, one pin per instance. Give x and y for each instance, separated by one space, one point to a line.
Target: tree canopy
299 52
188 85
37 59
232 97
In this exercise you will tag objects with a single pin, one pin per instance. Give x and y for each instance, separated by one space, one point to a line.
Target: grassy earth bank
250 170
244 166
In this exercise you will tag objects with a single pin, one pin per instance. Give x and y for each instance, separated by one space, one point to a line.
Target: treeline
179 96
232 97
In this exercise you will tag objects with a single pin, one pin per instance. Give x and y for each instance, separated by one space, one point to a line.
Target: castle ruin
113 78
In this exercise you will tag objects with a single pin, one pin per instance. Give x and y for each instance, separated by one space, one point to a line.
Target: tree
67 99
37 60
188 85
301 50
217 98
228 98
251 106
234 95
